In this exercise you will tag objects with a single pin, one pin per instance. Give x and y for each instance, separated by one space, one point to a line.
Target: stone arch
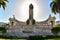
52 23
12 23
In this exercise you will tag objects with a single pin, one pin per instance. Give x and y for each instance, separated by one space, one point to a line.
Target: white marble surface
36 30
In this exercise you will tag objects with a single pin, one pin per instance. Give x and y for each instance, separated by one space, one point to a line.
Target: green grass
12 39
26 39
55 39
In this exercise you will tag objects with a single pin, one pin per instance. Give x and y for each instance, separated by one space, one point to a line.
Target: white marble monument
30 27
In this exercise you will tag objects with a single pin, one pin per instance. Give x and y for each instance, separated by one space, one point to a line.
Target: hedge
42 38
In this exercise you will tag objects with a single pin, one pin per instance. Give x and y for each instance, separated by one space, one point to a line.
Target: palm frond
6 0
53 7
51 4
3 3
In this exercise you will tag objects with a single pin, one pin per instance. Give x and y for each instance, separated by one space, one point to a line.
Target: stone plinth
29 30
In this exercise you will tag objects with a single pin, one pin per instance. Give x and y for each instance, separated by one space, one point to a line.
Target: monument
31 20
30 27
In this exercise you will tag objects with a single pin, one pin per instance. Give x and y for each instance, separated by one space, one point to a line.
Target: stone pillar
31 20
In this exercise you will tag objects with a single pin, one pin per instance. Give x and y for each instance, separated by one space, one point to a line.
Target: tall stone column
31 20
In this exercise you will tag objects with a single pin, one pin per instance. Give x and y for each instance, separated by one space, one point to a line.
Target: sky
20 8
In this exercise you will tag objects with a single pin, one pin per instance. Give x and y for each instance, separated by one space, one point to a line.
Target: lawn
55 39
12 39
26 39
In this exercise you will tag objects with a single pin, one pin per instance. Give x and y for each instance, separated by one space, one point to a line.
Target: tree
3 3
55 6
3 28
54 31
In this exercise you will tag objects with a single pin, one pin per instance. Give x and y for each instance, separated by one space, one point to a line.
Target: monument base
30 22
27 31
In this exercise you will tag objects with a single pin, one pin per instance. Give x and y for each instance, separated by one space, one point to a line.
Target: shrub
42 38
35 38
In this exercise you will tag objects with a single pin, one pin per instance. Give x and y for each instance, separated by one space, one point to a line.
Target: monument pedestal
30 22
28 30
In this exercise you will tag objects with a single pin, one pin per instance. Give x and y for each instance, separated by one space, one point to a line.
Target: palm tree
55 6
3 3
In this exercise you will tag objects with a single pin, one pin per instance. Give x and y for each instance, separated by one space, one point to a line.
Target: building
31 20
30 27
